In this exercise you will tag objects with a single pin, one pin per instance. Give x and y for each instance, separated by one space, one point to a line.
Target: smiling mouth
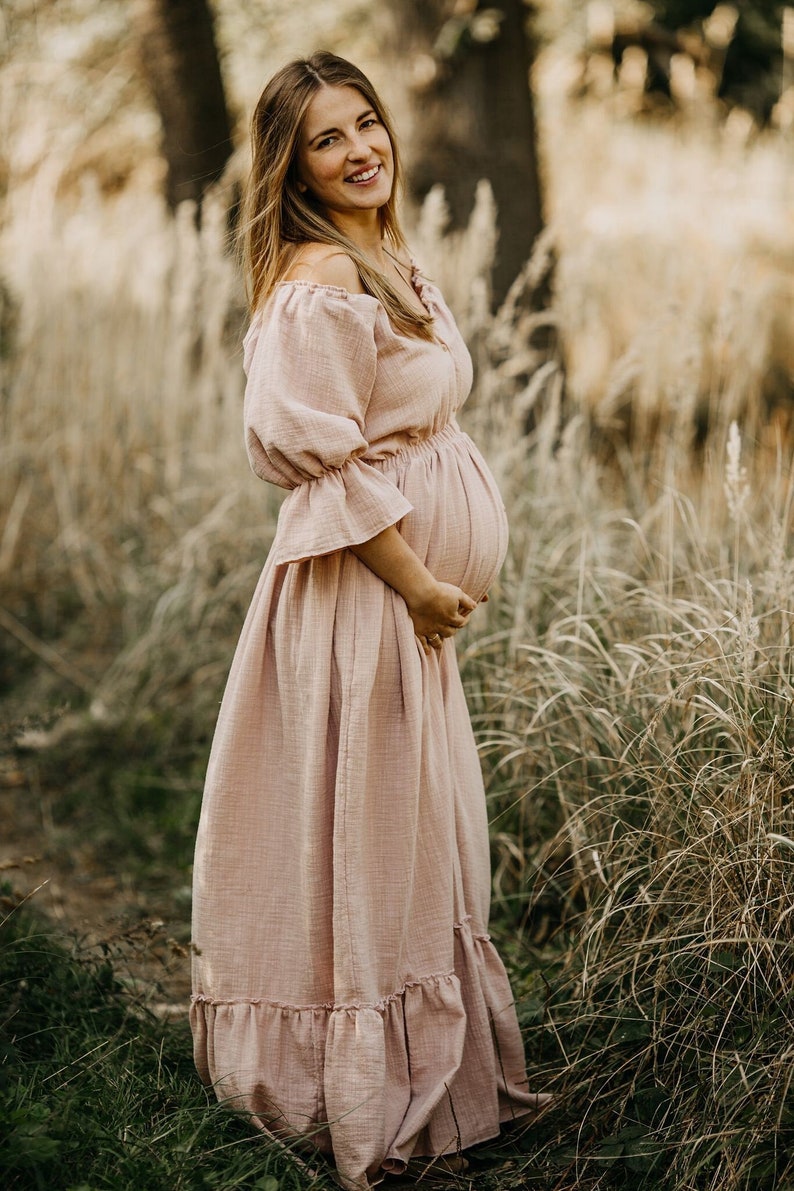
365 175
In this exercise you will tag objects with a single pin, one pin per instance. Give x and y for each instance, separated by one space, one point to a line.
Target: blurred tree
738 42
750 71
180 61
468 64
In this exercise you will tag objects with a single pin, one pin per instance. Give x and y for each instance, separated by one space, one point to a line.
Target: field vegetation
631 679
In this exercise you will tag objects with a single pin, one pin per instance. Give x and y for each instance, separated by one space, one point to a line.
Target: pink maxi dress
345 988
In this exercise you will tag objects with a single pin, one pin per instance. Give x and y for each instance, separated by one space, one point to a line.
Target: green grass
96 1093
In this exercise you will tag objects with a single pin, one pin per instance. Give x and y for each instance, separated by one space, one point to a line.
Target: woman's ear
302 187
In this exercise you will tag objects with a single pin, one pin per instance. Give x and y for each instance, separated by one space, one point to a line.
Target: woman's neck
367 237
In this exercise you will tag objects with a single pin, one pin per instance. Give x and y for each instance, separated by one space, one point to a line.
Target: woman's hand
438 612
437 609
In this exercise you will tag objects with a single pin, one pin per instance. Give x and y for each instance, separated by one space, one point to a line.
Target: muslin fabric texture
345 988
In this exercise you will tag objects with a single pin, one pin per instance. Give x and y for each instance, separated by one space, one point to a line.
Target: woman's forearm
437 609
392 560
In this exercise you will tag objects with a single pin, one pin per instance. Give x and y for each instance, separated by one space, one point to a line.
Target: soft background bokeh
630 680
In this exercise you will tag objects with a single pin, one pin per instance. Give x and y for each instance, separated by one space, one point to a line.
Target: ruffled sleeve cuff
343 507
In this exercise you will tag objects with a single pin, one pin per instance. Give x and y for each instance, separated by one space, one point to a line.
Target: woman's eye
369 123
327 140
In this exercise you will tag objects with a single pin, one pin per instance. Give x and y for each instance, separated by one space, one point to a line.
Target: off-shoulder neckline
419 283
305 283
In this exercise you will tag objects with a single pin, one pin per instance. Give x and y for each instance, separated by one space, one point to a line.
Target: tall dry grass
631 681
632 690
675 282
633 706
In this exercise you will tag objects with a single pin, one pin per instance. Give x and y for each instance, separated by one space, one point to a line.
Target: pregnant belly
458 526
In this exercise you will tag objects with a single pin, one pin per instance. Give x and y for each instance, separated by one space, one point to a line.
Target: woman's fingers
443 633
434 624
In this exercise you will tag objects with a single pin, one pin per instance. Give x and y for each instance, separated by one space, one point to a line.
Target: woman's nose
359 149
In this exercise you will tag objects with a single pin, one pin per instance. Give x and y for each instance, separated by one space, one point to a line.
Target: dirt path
143 931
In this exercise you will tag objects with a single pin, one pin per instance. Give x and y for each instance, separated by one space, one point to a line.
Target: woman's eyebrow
328 131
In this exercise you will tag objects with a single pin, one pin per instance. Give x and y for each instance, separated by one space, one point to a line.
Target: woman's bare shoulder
324 265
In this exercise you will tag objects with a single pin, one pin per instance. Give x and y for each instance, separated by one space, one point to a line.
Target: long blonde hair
278 217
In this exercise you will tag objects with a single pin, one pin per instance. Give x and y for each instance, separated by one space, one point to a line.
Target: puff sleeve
311 360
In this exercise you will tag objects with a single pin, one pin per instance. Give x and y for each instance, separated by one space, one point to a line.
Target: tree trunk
473 115
180 61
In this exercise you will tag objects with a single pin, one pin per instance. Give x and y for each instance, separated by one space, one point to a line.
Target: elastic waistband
451 433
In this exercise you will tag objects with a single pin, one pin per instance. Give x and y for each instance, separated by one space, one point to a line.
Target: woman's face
345 157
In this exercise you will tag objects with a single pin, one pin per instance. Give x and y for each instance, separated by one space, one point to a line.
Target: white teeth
365 177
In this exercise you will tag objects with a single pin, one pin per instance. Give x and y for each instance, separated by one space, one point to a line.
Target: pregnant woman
346 993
